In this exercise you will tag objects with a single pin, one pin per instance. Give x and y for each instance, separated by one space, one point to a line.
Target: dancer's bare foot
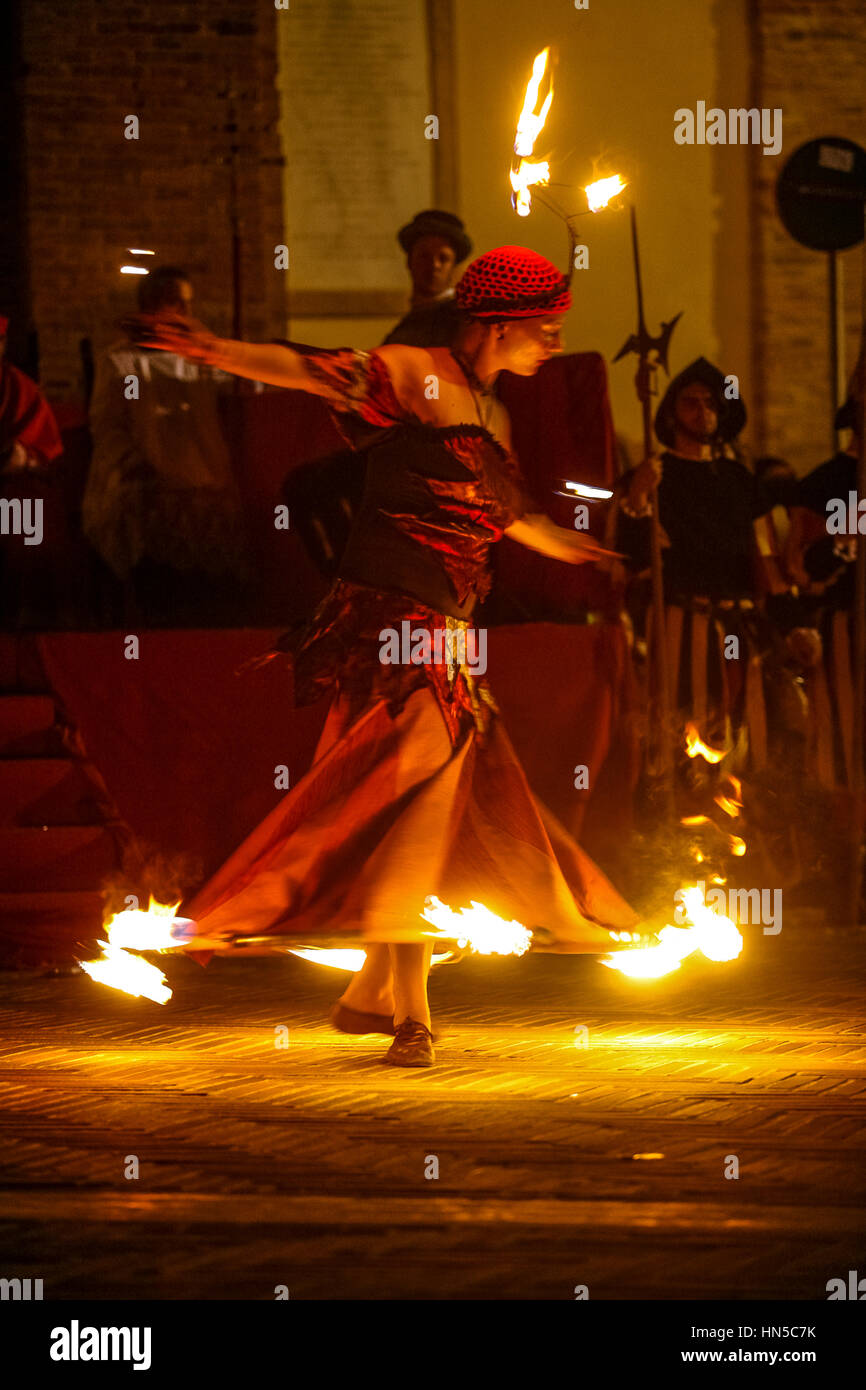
367 1001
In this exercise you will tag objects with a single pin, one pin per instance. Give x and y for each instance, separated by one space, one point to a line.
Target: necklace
476 389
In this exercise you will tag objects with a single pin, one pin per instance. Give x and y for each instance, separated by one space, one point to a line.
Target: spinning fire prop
716 936
157 929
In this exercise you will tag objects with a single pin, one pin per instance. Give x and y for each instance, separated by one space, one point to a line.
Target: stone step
28 726
21 666
50 791
67 858
50 928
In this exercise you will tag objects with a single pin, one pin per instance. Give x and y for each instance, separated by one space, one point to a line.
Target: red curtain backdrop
188 748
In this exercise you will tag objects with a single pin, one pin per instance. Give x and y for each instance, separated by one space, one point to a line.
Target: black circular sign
821 194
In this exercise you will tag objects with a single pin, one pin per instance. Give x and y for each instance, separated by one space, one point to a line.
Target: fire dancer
435 243
415 790
708 504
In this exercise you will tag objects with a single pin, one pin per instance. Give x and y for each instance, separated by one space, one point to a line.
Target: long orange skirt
392 812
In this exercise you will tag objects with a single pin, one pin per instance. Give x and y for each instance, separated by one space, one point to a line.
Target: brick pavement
304 1166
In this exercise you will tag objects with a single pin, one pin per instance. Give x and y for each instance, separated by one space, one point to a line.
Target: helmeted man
708 503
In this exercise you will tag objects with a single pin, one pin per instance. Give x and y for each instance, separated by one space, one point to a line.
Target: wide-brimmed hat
512 282
434 222
731 413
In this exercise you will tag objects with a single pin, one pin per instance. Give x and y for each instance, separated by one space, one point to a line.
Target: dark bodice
435 497
431 509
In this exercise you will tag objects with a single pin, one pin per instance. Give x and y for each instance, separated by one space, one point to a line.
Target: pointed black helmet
731 413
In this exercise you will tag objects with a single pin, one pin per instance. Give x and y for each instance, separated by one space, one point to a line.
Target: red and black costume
415 789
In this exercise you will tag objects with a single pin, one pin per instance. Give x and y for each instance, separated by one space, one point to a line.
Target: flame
128 973
599 194
345 959
730 807
530 122
528 172
134 929
716 936
478 928
696 820
339 959
529 126
736 786
695 746
737 846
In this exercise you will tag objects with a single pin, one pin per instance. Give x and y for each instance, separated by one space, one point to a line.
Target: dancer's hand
173 333
537 532
587 549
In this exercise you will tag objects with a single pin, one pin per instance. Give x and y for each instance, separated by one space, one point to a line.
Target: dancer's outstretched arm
269 362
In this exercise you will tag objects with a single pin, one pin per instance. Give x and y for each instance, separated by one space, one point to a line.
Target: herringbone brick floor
559 1165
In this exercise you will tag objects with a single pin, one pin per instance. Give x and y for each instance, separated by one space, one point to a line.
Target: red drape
188 748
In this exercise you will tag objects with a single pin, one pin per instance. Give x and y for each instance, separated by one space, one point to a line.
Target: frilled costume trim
340 651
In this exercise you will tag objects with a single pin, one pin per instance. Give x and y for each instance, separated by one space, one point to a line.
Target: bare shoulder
408 368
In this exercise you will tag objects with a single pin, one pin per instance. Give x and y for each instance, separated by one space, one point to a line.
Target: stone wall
91 193
811 63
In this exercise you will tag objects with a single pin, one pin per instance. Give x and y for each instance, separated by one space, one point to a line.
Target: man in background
715 574
435 243
161 505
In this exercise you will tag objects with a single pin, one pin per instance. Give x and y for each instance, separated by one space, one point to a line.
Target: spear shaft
859 644
644 346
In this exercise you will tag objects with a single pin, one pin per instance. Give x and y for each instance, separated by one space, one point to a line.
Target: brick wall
91 193
810 61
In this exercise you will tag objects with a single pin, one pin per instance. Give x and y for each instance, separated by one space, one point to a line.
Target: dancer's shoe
412 1045
353 1021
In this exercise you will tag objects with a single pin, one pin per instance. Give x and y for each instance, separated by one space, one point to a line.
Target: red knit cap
512 283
